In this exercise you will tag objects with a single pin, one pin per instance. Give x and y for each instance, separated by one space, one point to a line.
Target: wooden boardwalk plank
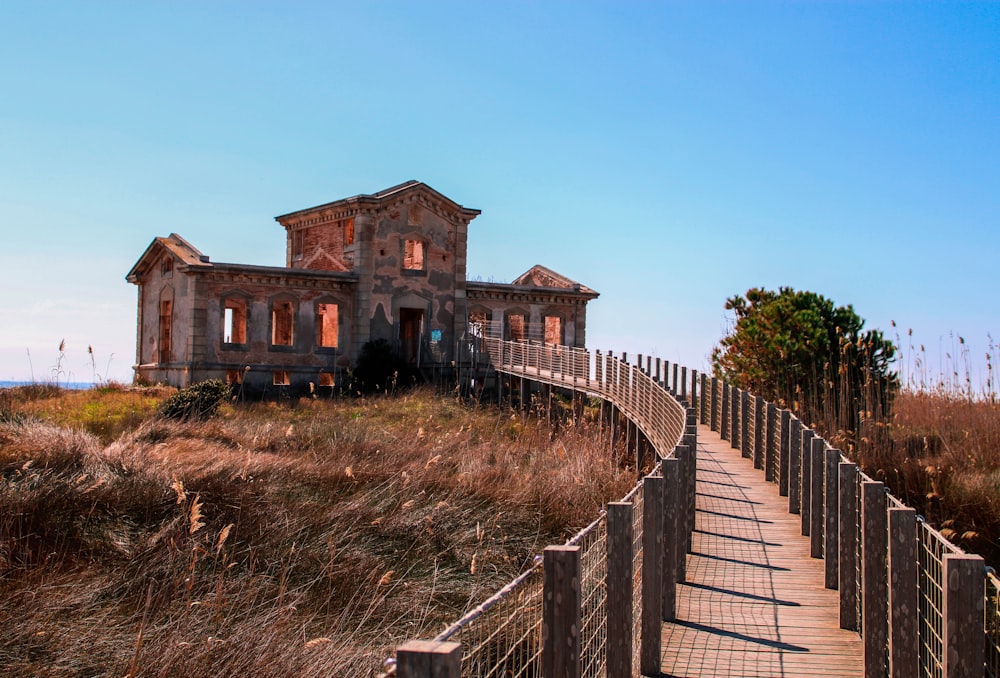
754 602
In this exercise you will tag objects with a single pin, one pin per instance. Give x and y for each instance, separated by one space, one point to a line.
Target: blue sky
669 155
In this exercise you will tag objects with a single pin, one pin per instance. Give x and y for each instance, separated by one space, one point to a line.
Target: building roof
546 278
183 251
537 280
381 198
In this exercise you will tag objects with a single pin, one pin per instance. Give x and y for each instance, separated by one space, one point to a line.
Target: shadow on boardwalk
754 602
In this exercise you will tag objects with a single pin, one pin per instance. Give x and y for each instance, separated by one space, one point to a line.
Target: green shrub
197 401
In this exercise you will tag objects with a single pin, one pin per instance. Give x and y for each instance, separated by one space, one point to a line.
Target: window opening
349 232
413 255
478 323
515 327
326 379
282 321
166 266
298 244
280 378
164 343
234 322
553 330
328 323
234 376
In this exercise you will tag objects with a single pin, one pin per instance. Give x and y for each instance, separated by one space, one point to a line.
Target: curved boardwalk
754 602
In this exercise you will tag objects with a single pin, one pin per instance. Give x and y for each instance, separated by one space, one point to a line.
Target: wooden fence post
817 466
904 654
847 581
714 414
874 589
685 458
652 576
429 659
805 484
676 367
684 378
784 446
690 441
759 431
745 450
696 394
794 464
619 588
770 453
964 610
673 540
831 498
724 426
703 401
561 616
734 418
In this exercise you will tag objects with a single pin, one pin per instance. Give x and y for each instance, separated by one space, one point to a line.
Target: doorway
411 328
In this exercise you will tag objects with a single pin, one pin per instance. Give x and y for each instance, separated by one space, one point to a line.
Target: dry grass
944 460
272 540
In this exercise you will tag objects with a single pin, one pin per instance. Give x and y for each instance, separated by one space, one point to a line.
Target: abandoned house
390 265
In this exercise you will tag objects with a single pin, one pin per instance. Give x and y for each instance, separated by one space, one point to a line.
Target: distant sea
74 385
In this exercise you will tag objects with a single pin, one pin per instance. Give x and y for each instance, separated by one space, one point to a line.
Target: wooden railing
923 606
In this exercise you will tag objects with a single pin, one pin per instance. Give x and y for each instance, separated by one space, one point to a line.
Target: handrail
855 523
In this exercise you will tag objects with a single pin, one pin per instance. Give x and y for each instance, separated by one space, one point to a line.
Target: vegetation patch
302 538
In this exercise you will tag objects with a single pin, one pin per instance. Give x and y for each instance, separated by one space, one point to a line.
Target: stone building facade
390 265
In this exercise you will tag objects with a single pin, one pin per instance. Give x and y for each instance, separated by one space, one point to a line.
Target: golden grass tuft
276 539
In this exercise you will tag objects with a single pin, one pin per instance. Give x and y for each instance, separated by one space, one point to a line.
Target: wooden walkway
754 602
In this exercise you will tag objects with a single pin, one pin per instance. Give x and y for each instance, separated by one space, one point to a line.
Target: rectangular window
282 321
326 379
349 231
298 244
166 267
515 328
234 322
328 322
280 378
234 376
553 330
413 255
477 323
164 344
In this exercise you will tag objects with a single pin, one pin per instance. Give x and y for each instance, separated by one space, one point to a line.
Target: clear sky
668 155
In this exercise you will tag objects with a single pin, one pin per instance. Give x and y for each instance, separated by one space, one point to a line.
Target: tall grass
934 440
275 539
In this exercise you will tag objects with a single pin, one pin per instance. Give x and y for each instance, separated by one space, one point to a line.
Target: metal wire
593 594
992 625
932 548
502 637
637 504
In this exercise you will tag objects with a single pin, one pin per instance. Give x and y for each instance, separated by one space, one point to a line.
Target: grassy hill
301 538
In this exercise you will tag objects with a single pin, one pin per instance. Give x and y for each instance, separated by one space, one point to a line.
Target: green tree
799 349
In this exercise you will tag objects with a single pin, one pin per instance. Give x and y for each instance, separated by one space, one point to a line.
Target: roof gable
540 276
348 206
183 252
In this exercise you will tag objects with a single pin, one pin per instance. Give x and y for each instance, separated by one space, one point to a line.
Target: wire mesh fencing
502 637
932 548
992 625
